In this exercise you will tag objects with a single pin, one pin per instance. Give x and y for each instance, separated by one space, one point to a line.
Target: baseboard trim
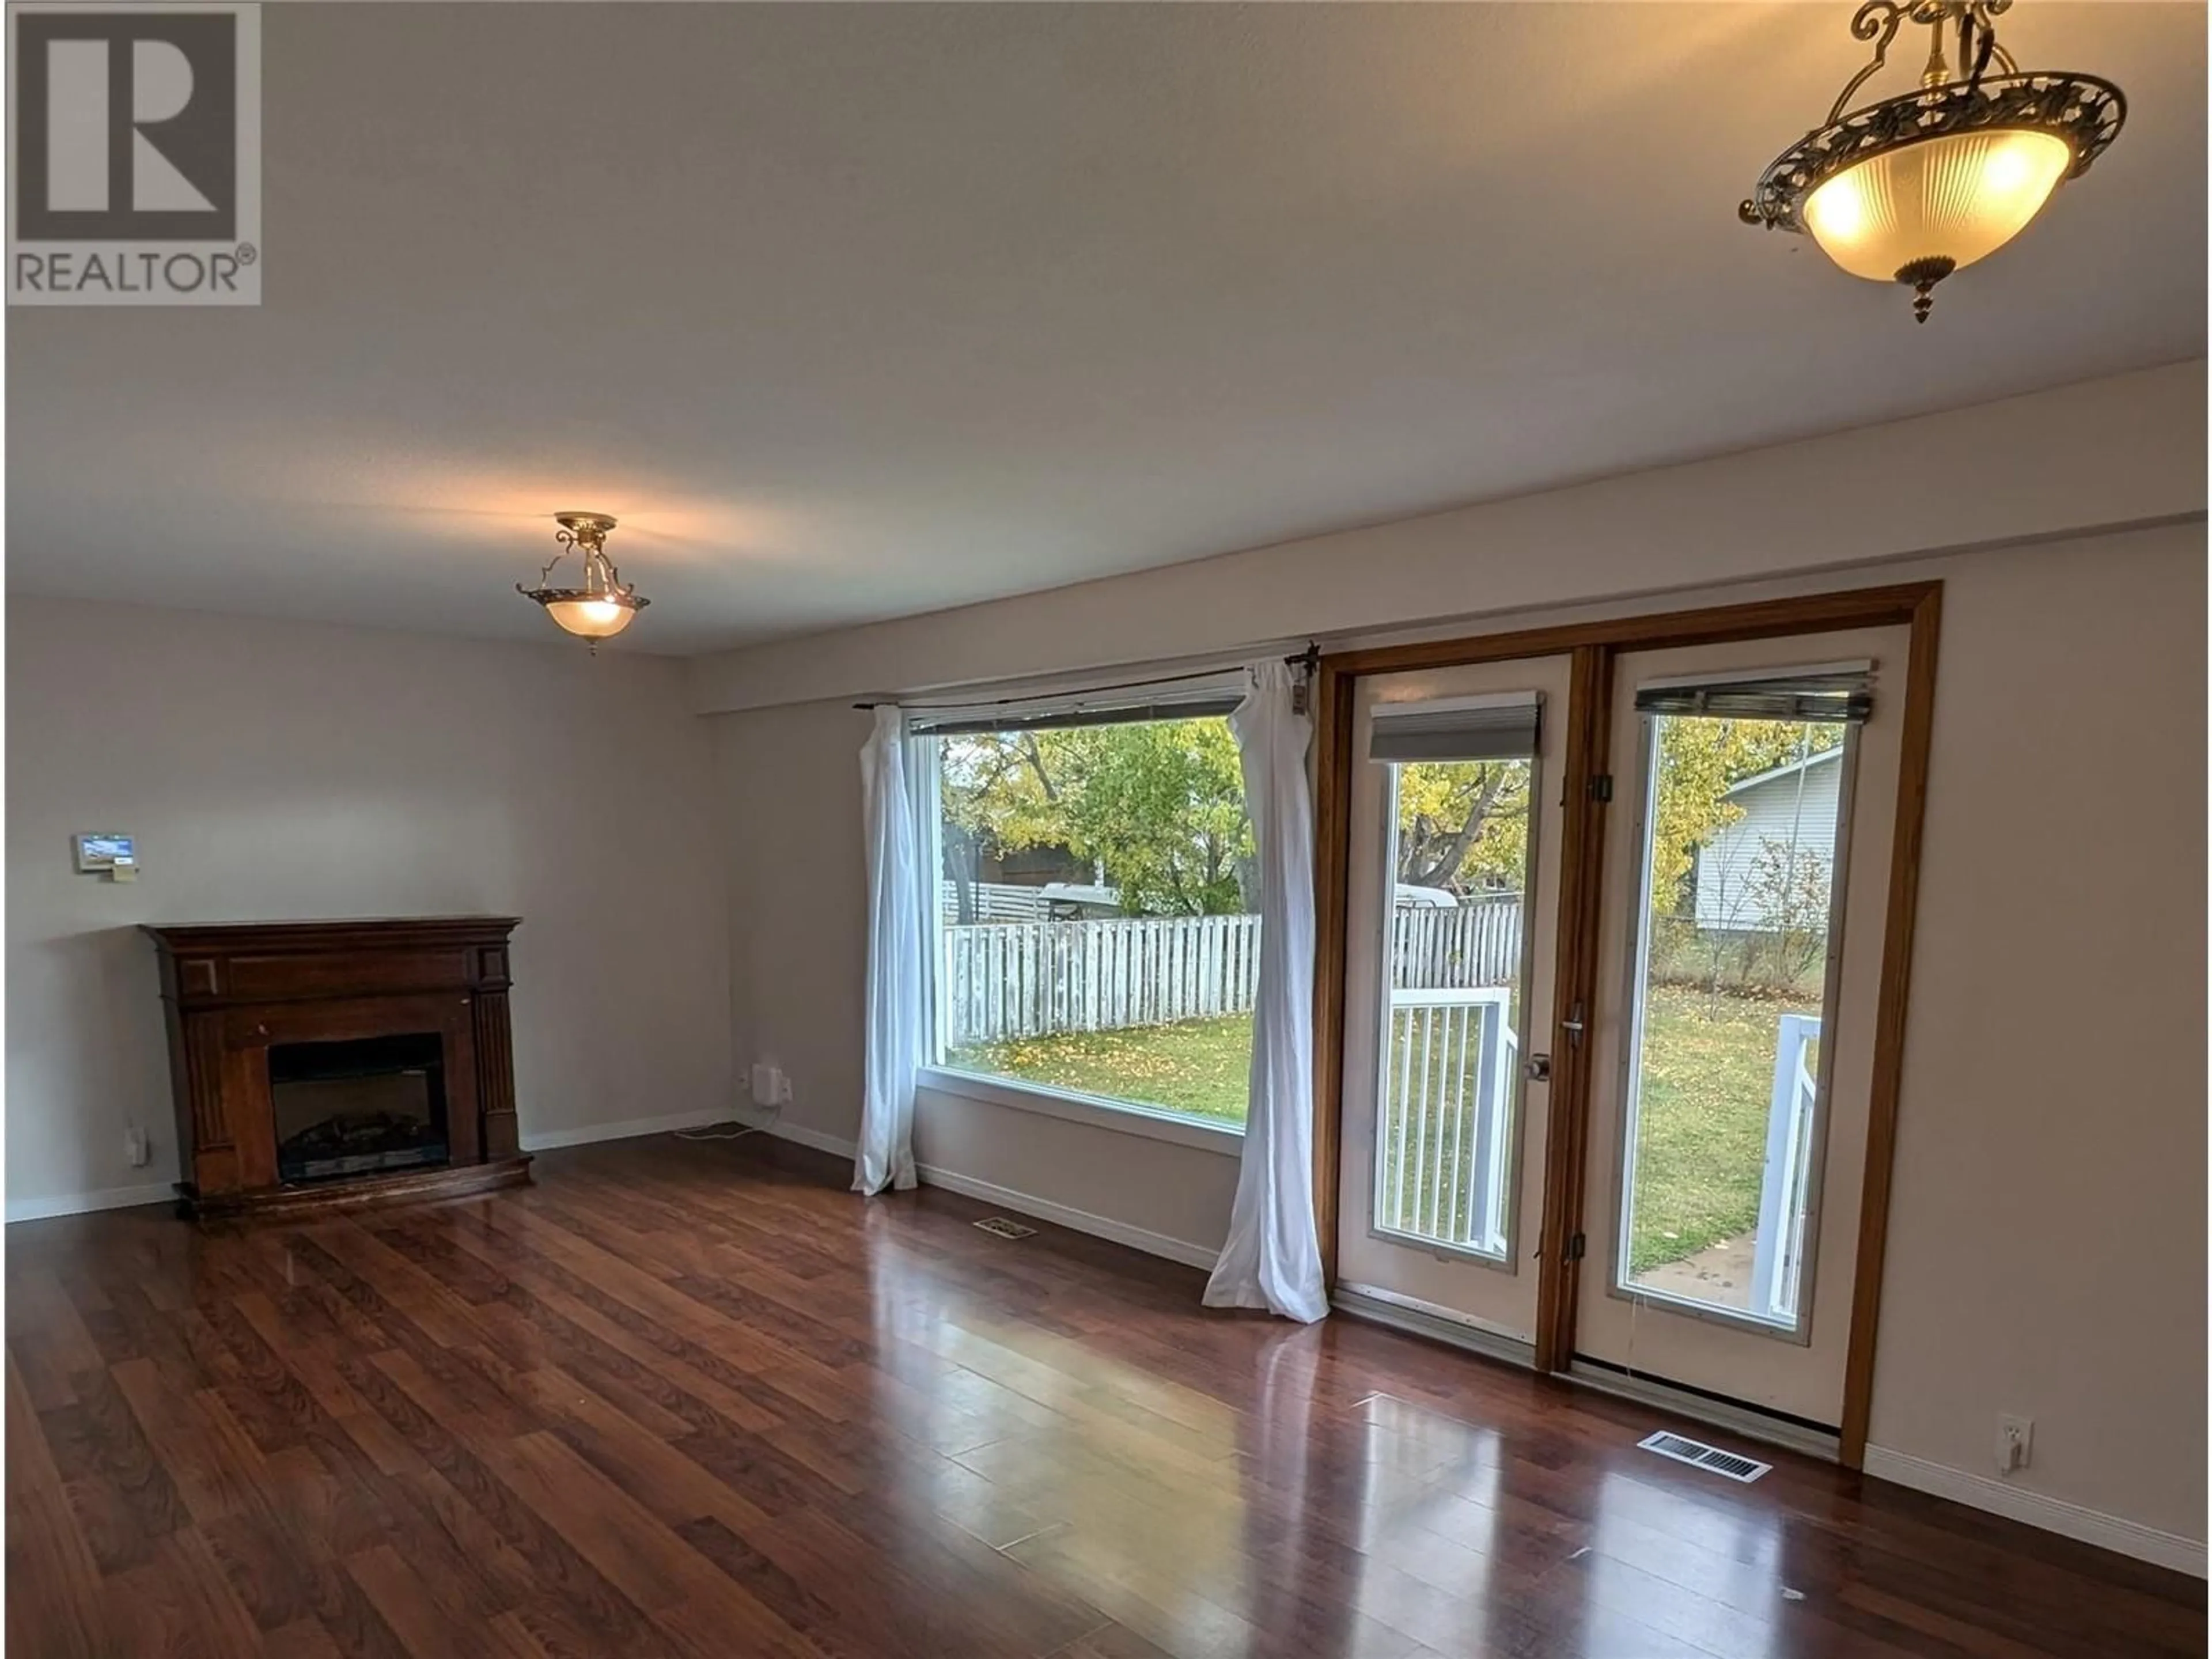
165 1192
108 1198
820 1140
1063 1215
1418 1318
628 1129
1024 1204
1994 1496
1743 1420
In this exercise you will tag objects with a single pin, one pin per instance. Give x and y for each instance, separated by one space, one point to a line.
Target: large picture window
1095 931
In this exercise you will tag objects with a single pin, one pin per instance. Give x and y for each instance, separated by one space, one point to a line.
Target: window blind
1839 694
1455 729
1192 697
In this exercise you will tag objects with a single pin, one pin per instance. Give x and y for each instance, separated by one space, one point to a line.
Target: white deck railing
1786 1187
1443 1155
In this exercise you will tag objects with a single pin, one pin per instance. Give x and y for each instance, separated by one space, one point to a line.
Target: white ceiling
856 311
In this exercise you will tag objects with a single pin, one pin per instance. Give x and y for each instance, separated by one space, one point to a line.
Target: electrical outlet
134 1148
2016 1442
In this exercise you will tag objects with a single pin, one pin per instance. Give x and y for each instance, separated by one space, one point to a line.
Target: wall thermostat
115 857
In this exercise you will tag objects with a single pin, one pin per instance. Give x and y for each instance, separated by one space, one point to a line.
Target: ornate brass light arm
605 605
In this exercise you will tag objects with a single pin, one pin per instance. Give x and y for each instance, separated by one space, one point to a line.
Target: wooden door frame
1595 648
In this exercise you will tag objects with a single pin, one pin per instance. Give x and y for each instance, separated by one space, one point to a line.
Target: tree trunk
1437 869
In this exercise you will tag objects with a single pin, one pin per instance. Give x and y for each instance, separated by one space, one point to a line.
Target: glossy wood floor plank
695 1401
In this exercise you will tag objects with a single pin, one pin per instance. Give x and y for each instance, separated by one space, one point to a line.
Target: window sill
1122 1119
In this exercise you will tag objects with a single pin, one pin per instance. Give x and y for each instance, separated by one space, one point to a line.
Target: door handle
1572 1025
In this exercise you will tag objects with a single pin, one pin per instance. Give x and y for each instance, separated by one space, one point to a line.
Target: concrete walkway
1719 1274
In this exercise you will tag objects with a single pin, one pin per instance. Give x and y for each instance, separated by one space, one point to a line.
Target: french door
1452 925
1710 1007
1745 869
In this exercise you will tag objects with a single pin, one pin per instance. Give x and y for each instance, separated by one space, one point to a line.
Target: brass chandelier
1919 185
605 605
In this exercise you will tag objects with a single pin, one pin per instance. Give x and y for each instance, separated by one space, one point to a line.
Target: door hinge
1600 786
1575 1247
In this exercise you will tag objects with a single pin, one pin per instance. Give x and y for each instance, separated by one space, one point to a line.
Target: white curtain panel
895 995
1273 1258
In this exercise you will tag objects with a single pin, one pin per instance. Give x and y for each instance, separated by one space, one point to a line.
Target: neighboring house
1079 901
1053 901
1009 886
1033 866
1793 803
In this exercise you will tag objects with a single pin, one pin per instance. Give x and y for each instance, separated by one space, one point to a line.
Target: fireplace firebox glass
364 1106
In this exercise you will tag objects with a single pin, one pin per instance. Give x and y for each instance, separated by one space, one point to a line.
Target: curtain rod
1305 659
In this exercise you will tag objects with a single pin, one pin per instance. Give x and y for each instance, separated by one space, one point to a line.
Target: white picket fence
1000 981
1458 948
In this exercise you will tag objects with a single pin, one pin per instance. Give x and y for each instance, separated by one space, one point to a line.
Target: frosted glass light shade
595 619
1959 198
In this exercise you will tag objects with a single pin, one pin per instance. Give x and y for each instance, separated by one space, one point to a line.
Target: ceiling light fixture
1917 186
603 605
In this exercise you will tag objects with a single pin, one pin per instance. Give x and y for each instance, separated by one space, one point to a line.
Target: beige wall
2047 1253
275 770
1170 1200
2113 452
798 902
2046 1245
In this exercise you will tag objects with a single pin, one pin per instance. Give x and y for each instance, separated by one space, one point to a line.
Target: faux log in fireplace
340 1062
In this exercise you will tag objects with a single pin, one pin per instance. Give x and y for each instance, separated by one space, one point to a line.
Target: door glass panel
1459 864
1741 830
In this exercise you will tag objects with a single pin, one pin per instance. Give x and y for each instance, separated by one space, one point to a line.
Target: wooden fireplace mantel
230 991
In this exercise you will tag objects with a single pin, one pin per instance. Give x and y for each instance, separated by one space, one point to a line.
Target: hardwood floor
692 1399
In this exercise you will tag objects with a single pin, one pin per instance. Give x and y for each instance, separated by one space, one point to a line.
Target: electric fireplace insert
366 1106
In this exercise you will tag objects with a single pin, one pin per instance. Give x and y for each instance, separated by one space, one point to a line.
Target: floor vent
999 1227
1699 1455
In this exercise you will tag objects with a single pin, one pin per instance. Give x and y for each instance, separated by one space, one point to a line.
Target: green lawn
1708 1065
1708 1071
1195 1066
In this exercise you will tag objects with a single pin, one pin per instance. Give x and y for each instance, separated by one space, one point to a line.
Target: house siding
1771 812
